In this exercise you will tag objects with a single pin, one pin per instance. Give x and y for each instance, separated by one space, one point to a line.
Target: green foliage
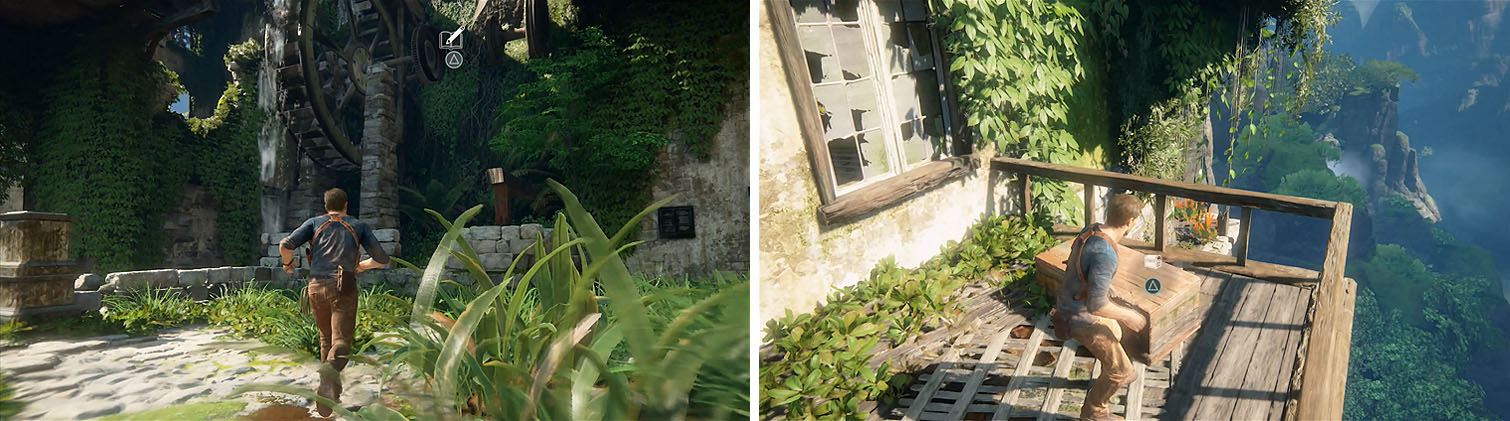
1322 184
538 347
145 311
1397 278
823 367
9 405
275 317
1282 147
1379 76
110 154
1398 371
1154 145
1017 68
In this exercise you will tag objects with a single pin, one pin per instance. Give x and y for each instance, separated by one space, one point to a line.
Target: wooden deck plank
1134 400
988 363
1262 373
916 410
1291 349
1199 353
1019 373
1222 387
1062 367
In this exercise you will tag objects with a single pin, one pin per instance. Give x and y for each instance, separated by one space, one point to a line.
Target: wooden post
1026 187
1160 209
1241 250
1324 378
1221 219
500 185
1090 204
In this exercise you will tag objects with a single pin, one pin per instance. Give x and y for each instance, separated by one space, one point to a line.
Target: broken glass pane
810 11
847 10
845 158
850 43
905 89
898 50
922 46
914 146
862 103
891 10
873 153
916 10
833 110
928 92
818 46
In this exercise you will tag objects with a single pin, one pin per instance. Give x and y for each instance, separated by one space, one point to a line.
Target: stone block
193 277
131 281
87 301
485 246
267 238
487 232
496 261
220 275
271 262
453 264
272 251
243 273
466 232
508 232
197 292
88 282
386 235
530 231
393 249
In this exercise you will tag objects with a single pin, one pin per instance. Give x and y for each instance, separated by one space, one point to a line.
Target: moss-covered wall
802 260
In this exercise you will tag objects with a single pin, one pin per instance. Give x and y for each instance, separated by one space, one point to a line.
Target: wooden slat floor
1237 366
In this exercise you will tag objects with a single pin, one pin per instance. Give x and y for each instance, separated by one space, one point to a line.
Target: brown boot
330 388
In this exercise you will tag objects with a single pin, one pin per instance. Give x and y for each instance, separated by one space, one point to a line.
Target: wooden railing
1322 372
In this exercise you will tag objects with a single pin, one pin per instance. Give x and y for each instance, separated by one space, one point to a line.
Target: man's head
1123 210
335 200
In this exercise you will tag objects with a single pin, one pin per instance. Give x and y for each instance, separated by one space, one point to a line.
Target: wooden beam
800 84
1090 204
1324 376
1221 219
1240 250
1200 192
1160 214
1025 186
892 190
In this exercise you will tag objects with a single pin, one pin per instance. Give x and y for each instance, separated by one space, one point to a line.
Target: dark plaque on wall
676 222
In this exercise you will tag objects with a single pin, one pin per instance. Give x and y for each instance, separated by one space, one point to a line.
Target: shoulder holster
1072 271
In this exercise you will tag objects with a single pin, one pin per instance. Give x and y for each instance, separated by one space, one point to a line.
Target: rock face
1366 129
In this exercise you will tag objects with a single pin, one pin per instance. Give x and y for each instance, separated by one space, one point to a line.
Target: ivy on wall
109 153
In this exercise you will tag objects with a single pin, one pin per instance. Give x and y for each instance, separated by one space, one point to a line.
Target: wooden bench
1173 311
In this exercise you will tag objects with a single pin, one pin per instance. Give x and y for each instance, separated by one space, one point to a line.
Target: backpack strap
1075 255
309 251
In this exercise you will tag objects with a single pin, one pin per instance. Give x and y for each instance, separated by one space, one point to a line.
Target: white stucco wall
801 260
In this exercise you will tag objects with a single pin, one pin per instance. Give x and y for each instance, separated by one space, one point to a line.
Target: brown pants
336 317
1104 340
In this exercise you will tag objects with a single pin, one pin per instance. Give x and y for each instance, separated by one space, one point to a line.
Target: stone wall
499 246
13 200
718 190
380 137
190 228
389 239
802 260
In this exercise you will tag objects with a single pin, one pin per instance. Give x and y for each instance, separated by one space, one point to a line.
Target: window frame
840 205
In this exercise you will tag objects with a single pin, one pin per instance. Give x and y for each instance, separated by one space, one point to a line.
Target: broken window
874 68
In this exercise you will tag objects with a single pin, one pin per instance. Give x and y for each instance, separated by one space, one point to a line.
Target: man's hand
286 257
289 269
1128 318
369 264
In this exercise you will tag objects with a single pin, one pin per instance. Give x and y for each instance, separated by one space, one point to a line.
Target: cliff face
1367 129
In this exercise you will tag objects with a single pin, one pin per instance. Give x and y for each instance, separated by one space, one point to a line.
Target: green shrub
538 347
823 366
147 310
9 405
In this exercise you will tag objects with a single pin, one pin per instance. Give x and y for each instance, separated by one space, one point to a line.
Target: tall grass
539 345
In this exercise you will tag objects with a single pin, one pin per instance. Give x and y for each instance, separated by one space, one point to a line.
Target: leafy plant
147 310
9 405
1197 218
821 366
536 347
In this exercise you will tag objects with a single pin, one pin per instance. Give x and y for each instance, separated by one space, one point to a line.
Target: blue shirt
1098 264
335 247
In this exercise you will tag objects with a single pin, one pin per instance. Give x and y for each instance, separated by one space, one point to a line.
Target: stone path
87 378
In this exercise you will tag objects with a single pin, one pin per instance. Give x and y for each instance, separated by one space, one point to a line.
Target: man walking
1083 309
334 240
